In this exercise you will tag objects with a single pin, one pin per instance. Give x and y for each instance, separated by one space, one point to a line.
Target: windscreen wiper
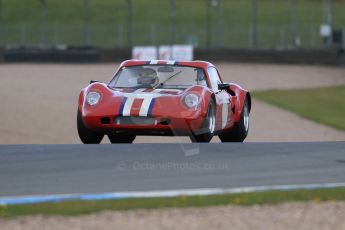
170 77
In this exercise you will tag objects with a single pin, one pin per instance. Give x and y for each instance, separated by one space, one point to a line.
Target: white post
328 12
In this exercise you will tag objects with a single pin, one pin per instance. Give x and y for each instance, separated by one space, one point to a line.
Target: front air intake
105 120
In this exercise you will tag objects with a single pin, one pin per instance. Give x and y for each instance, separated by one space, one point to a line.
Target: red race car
163 98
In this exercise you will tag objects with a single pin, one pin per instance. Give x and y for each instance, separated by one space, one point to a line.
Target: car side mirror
93 81
223 86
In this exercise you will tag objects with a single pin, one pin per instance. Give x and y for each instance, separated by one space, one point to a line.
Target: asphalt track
68 169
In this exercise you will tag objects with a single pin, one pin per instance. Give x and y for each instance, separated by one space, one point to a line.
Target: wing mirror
93 81
223 86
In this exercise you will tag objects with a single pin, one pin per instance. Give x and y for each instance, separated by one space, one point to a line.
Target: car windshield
158 76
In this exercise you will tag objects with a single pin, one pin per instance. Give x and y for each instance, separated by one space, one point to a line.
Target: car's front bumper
158 125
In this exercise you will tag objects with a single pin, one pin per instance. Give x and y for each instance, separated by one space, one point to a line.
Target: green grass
245 199
323 105
108 22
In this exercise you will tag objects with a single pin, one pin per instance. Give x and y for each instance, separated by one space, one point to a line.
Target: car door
223 100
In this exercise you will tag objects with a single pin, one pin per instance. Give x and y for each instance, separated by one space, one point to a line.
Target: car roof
197 64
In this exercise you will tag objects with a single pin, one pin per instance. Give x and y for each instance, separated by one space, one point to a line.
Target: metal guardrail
94 54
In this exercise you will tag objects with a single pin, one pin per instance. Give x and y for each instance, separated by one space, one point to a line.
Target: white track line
167 193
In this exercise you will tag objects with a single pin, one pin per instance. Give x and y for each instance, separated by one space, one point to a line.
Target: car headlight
93 98
191 100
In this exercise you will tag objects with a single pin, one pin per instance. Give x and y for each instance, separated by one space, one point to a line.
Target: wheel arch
241 95
249 98
213 97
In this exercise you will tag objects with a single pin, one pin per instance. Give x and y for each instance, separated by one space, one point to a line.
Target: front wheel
205 134
86 135
241 128
121 138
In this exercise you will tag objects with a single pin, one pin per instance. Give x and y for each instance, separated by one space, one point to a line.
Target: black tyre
205 134
86 135
121 138
241 128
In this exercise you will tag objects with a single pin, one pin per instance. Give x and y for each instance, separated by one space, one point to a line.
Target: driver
147 77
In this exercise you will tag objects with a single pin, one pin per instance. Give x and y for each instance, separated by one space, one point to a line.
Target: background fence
277 24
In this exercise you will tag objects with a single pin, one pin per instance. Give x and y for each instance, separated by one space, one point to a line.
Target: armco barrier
321 57
69 55
93 54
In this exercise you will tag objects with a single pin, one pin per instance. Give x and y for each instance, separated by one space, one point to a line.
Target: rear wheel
121 138
241 128
86 135
205 134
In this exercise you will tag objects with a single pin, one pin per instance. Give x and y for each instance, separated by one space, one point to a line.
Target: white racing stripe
144 109
225 111
129 102
154 62
145 106
128 106
164 193
148 97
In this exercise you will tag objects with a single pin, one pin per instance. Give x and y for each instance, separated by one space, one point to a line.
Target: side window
200 77
214 78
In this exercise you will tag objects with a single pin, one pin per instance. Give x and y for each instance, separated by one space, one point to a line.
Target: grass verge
323 105
70 208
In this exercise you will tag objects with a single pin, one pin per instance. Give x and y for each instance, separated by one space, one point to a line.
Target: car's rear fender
241 95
